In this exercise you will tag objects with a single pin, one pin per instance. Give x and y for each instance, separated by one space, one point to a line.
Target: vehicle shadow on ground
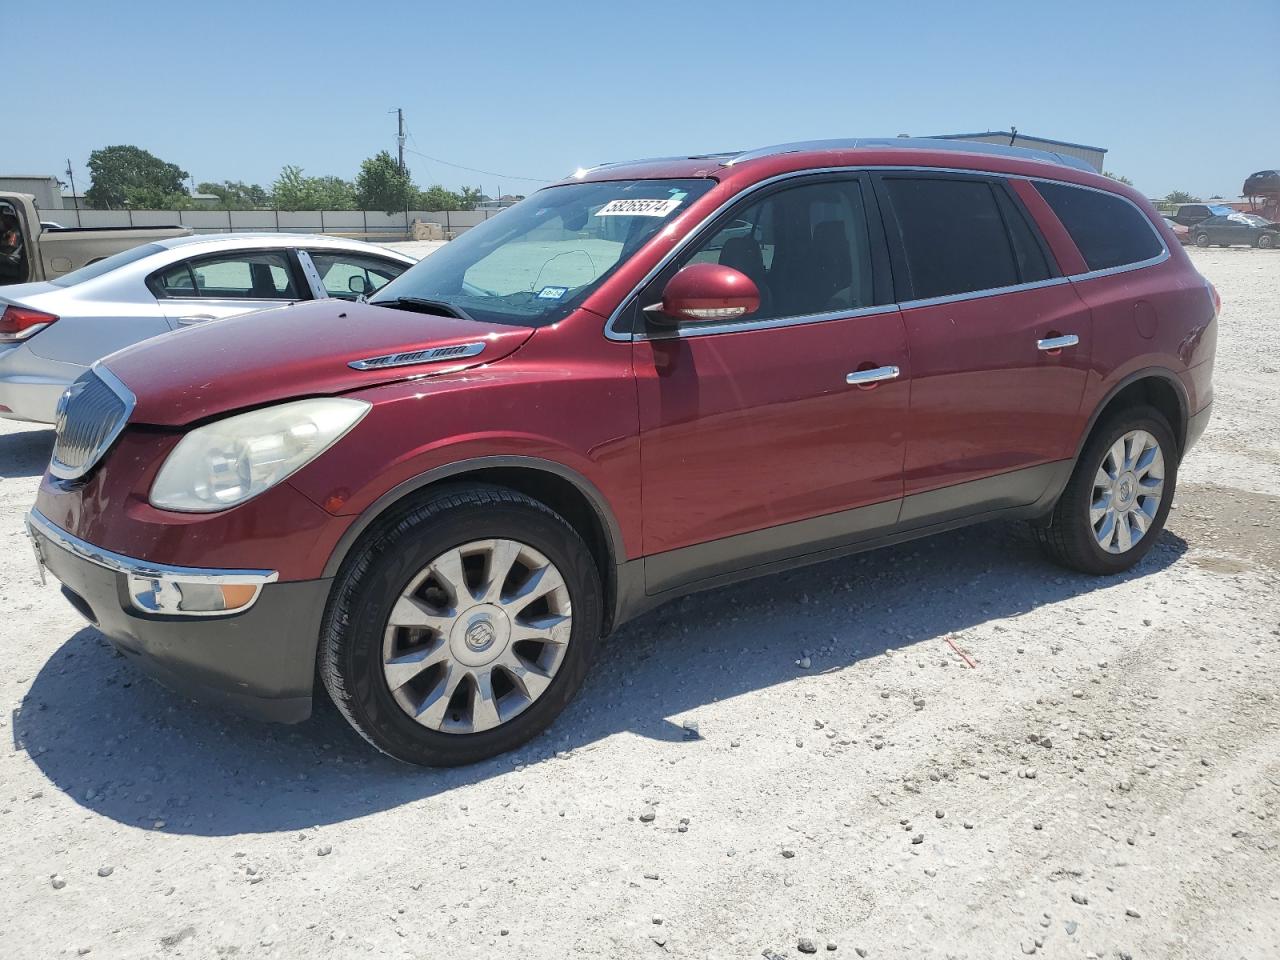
126 748
25 454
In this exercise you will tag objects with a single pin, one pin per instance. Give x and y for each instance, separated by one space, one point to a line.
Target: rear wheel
1116 502
1202 240
462 628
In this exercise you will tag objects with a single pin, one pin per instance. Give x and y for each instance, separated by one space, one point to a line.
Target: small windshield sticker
639 208
552 293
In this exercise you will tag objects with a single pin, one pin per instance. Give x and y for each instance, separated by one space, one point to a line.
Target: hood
295 351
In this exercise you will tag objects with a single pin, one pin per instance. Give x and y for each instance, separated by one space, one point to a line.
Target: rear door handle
195 318
860 378
1058 343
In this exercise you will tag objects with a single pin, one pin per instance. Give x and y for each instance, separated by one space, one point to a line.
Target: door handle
195 318
860 378
1057 343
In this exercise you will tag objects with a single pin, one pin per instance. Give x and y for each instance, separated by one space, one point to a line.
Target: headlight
225 463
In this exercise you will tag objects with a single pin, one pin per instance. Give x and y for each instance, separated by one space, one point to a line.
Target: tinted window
953 236
806 247
1109 231
349 275
106 265
246 275
1033 265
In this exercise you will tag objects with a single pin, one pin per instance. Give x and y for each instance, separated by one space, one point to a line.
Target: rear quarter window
1108 230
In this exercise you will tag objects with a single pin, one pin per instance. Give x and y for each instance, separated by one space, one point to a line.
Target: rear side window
954 236
1108 230
246 275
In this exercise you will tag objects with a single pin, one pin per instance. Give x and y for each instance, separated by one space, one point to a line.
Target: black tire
1068 538
372 579
1266 241
1201 240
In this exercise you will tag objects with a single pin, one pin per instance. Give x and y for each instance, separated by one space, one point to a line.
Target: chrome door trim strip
704 329
612 333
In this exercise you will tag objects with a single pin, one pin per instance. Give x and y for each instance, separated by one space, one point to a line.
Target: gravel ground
1102 781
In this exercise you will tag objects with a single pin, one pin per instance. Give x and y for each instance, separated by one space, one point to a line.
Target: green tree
1181 196
382 185
1117 177
126 174
237 195
468 198
295 191
438 198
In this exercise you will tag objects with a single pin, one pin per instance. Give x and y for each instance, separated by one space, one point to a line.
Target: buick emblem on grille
91 413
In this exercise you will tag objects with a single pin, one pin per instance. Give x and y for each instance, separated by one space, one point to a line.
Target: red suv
650 379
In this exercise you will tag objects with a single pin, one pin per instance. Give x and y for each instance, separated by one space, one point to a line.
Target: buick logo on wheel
480 634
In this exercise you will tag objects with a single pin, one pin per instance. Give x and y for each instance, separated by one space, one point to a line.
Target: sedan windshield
535 262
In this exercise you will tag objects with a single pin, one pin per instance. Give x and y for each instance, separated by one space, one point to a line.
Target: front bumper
259 661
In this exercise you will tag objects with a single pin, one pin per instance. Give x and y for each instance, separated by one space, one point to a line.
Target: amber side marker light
174 597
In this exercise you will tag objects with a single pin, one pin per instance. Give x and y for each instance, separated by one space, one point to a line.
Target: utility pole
400 136
74 199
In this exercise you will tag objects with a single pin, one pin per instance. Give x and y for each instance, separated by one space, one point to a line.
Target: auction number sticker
552 293
639 208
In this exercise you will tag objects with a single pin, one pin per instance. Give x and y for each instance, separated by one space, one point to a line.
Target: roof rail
583 171
915 143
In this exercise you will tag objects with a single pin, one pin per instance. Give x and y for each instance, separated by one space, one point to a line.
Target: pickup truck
30 253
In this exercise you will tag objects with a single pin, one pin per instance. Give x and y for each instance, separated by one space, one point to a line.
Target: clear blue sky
234 90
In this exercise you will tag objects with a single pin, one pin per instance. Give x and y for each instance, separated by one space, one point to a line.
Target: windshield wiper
422 305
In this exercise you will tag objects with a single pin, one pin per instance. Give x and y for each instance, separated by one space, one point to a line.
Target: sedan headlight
225 463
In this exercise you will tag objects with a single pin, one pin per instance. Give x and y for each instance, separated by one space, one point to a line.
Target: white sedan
51 332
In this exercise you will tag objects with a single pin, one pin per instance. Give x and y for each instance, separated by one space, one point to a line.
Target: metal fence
363 224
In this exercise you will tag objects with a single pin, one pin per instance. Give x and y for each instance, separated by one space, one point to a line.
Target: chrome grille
91 415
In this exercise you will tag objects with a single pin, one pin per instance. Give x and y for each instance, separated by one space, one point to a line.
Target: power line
487 173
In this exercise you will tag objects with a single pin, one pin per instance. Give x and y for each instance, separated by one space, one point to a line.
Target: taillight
18 323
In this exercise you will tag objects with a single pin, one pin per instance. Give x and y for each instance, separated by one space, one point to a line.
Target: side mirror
357 283
706 292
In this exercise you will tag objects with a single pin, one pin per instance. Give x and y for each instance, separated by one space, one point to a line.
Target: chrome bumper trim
144 568
147 579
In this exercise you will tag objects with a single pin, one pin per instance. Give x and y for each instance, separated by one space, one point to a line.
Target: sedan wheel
1267 241
1202 240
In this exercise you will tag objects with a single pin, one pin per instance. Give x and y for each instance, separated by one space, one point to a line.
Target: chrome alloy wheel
1127 490
477 636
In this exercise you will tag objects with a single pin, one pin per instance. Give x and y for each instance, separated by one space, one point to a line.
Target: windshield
535 262
106 265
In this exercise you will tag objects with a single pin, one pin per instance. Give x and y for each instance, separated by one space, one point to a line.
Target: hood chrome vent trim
458 351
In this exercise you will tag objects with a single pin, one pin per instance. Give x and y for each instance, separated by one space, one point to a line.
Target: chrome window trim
119 563
116 386
611 332
703 329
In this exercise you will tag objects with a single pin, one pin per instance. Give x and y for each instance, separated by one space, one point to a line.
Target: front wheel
1266 241
460 629
1115 504
1202 240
